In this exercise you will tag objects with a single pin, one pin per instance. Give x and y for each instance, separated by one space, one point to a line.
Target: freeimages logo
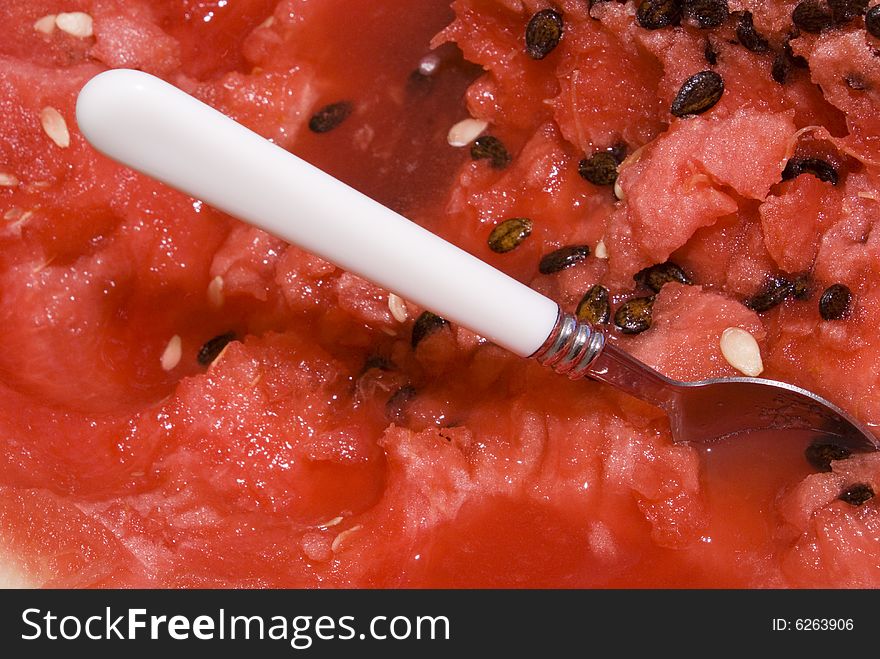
299 631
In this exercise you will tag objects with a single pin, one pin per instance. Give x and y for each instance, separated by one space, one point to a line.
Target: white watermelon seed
339 539
172 354
215 292
45 25
332 522
465 132
741 351
75 23
397 307
55 126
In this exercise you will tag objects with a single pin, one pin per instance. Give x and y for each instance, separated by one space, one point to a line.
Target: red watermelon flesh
320 447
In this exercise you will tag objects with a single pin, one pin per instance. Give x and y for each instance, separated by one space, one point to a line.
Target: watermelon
190 402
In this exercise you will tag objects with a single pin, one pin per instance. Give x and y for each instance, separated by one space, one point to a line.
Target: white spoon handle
155 128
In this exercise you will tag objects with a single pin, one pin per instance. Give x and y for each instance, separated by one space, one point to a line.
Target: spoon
157 129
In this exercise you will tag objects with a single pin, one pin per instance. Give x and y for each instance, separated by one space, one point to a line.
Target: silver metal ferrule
571 347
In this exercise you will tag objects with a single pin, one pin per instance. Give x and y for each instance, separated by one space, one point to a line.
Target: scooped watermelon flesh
320 447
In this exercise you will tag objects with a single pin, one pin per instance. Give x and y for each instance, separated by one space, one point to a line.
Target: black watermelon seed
656 14
801 287
509 234
213 347
781 68
706 14
835 302
775 291
427 323
822 454
563 258
595 306
843 11
396 403
709 53
600 168
747 35
821 169
811 17
543 33
872 21
858 494
655 276
489 147
330 116
634 316
698 93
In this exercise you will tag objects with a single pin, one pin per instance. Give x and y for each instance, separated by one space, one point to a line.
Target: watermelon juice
190 402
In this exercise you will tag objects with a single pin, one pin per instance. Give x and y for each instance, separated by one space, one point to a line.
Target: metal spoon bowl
706 411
